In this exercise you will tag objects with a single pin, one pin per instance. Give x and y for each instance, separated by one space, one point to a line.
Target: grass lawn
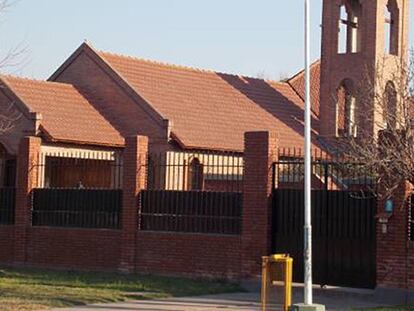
30 289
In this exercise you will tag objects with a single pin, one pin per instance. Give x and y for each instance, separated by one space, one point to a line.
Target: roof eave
86 143
184 146
53 139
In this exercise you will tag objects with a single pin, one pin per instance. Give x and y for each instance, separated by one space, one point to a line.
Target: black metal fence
192 211
344 206
188 171
7 205
193 192
344 235
77 208
81 190
328 173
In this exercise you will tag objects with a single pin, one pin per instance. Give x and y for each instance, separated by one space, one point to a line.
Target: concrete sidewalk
333 298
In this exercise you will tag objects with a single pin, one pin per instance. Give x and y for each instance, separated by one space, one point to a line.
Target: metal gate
344 227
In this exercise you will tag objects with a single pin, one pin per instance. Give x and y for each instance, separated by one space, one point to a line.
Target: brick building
101 119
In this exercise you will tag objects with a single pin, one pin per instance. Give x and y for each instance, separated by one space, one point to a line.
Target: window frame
349 30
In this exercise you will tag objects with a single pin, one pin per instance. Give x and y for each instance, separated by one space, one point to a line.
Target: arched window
390 106
346 110
195 175
349 34
391 17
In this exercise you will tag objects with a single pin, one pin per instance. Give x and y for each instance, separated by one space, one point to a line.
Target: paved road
334 300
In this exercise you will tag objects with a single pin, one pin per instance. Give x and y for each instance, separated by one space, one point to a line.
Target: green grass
29 289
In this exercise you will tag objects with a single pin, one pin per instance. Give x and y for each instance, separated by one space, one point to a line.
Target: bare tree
4 4
378 133
12 58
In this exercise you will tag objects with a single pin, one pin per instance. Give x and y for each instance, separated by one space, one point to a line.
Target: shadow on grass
71 288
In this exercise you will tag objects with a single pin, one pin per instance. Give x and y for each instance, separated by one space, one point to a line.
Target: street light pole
308 304
307 153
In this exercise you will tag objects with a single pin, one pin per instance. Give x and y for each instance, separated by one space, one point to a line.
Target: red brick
216 256
27 176
6 244
80 249
260 152
393 248
134 180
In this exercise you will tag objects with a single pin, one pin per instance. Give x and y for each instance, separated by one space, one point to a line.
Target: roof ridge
15 77
183 67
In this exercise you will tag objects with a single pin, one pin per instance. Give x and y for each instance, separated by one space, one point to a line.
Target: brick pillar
393 246
134 180
27 177
260 151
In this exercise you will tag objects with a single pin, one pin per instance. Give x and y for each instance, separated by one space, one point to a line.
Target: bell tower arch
357 35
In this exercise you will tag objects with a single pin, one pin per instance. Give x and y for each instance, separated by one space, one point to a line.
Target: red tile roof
212 110
66 114
298 83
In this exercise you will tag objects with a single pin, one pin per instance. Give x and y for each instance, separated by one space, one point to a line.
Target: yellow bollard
270 264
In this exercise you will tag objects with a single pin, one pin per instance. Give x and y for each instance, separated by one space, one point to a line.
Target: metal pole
308 221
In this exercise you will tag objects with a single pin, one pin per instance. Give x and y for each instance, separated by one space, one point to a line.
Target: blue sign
389 206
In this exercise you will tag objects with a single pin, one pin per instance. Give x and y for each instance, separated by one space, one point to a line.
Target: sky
256 38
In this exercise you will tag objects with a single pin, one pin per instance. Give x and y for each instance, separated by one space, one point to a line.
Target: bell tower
357 35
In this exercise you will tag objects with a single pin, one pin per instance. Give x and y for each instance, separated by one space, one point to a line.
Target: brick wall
395 264
168 253
27 177
260 151
189 254
73 248
6 244
220 256
134 180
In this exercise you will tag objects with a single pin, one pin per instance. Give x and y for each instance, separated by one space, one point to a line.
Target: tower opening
391 27
346 118
349 34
